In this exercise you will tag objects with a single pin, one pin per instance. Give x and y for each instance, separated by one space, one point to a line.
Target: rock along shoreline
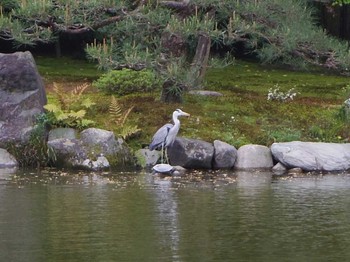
97 148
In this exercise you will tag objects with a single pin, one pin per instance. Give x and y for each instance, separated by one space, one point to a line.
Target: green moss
53 68
243 115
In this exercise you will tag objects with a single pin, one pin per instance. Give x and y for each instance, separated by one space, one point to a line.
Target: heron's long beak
185 114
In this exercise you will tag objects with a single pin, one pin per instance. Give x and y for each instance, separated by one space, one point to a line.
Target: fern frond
87 103
52 108
129 131
56 88
86 123
79 90
60 95
115 111
79 114
61 116
126 114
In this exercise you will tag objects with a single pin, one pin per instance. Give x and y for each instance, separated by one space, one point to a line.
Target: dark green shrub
8 5
127 81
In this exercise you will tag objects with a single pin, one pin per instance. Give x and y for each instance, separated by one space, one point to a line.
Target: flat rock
311 156
205 93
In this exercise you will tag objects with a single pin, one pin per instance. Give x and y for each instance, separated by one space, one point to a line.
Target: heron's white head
179 112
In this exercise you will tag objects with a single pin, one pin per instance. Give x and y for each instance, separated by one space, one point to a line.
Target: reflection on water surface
204 216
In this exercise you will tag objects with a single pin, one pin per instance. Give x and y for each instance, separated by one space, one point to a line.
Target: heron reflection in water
165 136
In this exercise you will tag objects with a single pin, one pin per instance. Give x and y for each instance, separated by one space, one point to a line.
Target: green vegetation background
243 115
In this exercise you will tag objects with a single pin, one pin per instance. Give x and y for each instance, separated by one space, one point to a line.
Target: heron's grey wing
160 136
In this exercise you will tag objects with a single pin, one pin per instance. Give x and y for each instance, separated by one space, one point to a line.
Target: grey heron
165 136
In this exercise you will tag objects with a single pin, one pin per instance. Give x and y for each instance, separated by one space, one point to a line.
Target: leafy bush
127 81
8 5
71 108
340 2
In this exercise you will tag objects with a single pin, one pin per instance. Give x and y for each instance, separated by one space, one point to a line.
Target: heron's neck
176 121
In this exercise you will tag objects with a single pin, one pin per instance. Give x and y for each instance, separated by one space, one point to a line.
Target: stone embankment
280 157
96 148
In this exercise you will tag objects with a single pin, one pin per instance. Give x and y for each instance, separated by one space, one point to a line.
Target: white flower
276 94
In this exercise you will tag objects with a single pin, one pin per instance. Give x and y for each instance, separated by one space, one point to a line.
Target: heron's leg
161 154
166 155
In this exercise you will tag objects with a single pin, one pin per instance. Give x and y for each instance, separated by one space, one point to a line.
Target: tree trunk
200 60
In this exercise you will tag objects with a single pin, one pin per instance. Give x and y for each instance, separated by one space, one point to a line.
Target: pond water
57 216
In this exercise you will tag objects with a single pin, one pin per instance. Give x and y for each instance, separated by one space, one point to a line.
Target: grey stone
225 155
68 152
7 161
205 93
311 156
62 132
100 163
191 153
254 157
93 144
22 96
279 169
146 157
103 141
178 171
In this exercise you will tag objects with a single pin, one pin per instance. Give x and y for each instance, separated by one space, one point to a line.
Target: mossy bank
243 115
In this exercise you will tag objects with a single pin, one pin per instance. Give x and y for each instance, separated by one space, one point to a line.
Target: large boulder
7 160
68 152
312 155
225 155
103 141
96 149
254 157
22 96
146 157
191 153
